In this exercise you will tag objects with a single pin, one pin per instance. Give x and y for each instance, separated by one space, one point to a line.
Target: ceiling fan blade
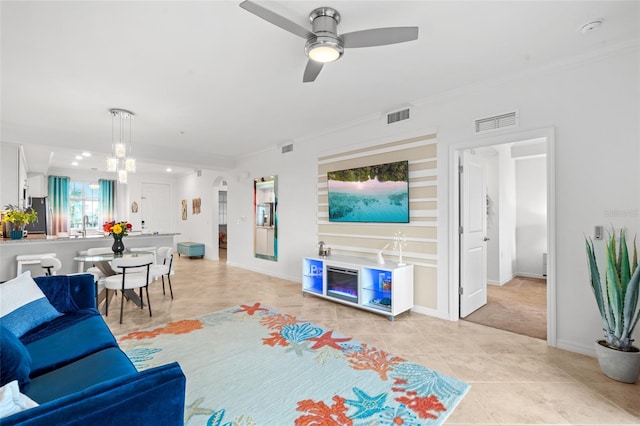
379 36
275 19
311 71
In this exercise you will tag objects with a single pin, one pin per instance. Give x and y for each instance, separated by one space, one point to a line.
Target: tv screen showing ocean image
377 193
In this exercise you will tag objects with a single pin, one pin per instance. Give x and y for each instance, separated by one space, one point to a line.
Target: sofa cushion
15 359
23 305
153 396
12 401
75 377
82 338
57 325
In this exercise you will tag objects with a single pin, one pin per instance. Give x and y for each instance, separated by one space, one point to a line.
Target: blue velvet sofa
79 375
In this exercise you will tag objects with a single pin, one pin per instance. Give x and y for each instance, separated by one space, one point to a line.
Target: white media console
360 282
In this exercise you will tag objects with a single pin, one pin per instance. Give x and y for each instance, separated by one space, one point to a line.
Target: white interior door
473 241
155 210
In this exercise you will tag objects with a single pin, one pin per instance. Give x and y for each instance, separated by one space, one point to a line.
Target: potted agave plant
19 218
617 299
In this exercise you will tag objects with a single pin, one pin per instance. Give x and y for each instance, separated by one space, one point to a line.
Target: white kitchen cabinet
14 175
37 186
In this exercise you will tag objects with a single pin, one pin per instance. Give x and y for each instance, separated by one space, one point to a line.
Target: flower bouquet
117 230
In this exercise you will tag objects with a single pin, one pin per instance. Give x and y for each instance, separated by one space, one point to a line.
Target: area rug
252 365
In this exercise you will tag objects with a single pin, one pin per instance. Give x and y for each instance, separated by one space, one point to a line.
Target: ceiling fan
323 42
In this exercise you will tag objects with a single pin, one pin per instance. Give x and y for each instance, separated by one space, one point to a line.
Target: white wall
488 158
594 107
507 213
296 210
531 215
203 227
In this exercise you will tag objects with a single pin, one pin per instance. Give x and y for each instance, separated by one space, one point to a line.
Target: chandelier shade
120 160
94 182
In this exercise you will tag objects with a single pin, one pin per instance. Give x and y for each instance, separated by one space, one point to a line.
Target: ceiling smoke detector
591 26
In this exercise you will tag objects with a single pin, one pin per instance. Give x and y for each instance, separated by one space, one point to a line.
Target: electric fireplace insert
342 283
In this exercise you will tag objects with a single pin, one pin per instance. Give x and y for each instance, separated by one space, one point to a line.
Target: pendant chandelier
94 184
120 160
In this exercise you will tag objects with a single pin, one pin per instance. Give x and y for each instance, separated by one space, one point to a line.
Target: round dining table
101 261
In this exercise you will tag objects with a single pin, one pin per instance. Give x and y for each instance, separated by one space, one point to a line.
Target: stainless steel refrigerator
41 206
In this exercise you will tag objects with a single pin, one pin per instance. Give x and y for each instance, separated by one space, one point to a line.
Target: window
83 201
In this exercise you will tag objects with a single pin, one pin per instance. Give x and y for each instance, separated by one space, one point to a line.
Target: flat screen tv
373 194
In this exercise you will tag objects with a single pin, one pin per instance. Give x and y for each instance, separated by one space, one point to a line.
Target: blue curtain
107 199
59 203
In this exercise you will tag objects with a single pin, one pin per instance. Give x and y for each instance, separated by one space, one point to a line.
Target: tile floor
516 380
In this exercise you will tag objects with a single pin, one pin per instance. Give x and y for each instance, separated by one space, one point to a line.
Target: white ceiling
210 82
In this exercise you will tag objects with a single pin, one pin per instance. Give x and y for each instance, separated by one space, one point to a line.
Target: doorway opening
220 231
504 196
222 225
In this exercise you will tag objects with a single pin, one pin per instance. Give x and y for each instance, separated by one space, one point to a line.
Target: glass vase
118 245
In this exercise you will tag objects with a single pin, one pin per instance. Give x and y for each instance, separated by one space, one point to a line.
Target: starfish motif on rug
366 405
250 310
327 340
194 409
298 348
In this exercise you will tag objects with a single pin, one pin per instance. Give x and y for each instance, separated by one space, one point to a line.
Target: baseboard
575 347
528 275
431 312
501 283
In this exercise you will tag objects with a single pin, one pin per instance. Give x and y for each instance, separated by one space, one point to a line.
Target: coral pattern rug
251 365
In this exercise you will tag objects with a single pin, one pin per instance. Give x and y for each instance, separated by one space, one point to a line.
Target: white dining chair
95 271
165 255
133 273
148 249
51 265
30 259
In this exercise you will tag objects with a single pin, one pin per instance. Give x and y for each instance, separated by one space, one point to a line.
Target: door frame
454 204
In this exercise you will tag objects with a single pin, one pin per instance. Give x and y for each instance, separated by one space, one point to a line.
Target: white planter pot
618 365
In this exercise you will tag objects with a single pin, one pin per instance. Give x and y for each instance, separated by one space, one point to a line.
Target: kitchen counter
66 248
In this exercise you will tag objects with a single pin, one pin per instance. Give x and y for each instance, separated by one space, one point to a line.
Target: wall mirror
265 201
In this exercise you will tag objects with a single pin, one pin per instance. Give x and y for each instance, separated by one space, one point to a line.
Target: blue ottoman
191 249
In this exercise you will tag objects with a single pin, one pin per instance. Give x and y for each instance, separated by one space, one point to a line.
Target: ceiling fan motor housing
324 21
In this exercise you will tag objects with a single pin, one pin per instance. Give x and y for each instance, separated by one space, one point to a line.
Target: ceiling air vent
496 122
394 117
287 148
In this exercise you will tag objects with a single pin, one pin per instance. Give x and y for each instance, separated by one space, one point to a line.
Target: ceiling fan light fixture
323 43
323 49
